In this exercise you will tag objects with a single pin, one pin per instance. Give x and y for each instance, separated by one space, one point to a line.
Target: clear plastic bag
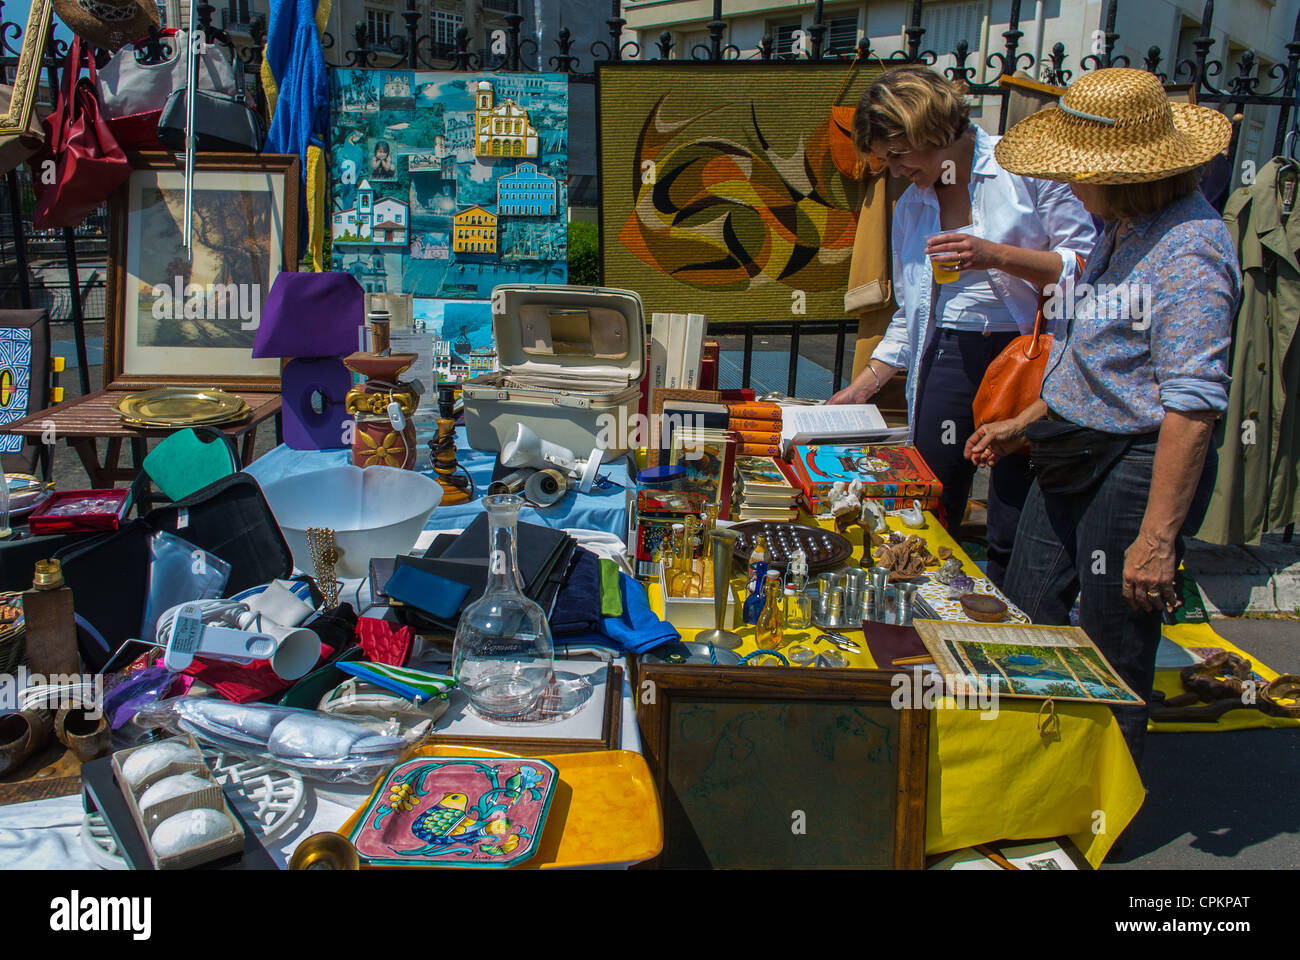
331 749
178 573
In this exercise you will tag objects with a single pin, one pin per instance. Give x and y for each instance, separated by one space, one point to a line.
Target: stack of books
676 350
757 425
765 490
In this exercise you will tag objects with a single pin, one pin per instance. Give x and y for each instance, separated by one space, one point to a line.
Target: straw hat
108 23
1114 125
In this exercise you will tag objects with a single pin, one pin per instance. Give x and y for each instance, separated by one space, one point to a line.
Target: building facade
501 129
384 221
526 192
474 230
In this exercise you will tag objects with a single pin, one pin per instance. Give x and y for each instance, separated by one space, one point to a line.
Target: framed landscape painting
191 320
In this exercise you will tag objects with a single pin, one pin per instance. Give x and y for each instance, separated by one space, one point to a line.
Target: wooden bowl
982 607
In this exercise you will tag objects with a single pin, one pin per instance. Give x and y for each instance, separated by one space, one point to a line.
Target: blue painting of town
447 184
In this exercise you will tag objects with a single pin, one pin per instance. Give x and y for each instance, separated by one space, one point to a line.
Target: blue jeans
950 377
1072 547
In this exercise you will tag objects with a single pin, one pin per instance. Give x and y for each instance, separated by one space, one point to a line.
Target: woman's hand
968 252
993 441
1149 573
866 385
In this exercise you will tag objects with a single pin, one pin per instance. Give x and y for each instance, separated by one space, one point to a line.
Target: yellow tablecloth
995 777
1198 636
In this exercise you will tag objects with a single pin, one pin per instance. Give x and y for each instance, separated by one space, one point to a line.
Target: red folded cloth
385 642
244 683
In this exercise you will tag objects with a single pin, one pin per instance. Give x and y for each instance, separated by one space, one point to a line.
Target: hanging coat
296 82
1259 436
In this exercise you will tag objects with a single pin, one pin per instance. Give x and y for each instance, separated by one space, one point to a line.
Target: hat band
1108 121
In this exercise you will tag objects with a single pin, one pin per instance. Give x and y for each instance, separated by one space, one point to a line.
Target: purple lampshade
311 315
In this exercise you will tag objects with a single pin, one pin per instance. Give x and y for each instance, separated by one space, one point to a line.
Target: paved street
1223 800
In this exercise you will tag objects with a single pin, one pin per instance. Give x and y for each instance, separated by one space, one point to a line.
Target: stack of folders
676 349
764 491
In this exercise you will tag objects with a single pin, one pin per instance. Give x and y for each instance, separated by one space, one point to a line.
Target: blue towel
639 628
302 108
636 631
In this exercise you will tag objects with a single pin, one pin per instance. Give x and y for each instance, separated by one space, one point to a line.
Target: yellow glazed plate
180 407
604 811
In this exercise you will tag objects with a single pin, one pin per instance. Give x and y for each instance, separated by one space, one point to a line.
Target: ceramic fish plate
454 811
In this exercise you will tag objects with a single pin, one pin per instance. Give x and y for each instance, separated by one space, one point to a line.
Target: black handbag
1070 459
223 123
109 575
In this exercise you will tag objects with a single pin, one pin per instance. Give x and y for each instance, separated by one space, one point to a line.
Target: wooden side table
84 421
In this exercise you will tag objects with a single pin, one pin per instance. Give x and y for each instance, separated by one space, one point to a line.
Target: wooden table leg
246 449
85 447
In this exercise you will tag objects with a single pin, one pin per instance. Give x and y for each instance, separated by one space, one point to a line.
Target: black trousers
951 373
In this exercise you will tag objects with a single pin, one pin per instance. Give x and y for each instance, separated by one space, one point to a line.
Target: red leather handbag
87 162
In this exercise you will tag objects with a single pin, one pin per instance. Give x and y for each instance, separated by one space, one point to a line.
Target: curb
1237 580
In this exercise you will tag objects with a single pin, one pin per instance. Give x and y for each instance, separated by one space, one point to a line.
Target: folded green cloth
611 597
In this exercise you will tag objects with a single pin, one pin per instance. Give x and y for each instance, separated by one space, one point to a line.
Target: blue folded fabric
639 628
577 607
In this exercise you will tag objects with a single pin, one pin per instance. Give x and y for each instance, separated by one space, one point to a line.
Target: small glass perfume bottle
770 629
798 609
756 599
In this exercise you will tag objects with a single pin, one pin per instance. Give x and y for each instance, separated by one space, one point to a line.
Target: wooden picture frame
654 450
27 75
218 295
749 795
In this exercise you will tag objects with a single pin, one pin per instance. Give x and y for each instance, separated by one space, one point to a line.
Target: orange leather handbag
1014 379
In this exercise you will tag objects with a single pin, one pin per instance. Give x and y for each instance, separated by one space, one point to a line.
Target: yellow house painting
474 230
501 129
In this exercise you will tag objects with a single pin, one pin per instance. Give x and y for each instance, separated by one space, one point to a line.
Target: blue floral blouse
1149 326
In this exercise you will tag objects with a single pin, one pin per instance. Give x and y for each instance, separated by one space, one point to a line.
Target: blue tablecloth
601 509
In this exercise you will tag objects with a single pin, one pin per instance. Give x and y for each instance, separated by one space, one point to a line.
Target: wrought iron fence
420 44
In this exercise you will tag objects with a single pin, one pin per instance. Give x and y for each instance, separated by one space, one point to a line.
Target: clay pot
22 736
83 731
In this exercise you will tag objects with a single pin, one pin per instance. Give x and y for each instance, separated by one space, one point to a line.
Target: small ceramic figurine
912 517
873 516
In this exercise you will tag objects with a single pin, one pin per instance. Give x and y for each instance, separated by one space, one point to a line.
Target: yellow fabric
994 777
317 188
1194 635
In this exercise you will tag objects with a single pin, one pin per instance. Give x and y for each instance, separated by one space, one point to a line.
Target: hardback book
756 410
766 475
885 471
709 458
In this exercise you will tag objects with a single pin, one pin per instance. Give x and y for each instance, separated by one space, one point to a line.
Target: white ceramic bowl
374 512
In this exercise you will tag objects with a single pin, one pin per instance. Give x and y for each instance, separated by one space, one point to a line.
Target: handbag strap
1040 321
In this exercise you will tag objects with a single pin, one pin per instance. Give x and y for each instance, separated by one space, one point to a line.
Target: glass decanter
502 657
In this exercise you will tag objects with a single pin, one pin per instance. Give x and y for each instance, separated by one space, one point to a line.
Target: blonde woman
1120 437
1005 236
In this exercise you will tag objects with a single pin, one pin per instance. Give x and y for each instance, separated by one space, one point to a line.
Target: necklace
324 554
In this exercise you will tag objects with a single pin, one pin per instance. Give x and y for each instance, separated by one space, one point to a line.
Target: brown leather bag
1014 379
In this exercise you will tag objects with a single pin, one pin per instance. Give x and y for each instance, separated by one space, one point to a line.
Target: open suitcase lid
568 332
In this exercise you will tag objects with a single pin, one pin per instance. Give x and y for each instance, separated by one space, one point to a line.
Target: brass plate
172 407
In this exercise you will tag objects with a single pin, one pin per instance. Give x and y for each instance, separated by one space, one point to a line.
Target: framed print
737 752
27 77
709 459
176 320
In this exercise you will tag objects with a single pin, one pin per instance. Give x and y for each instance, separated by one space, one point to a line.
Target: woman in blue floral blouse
1138 373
